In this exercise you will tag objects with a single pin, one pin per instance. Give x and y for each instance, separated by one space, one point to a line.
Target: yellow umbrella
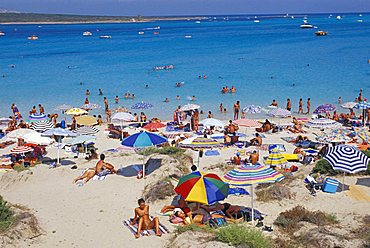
86 120
76 111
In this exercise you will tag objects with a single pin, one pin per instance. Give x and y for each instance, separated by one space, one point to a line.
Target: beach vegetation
224 167
193 228
167 150
242 236
290 220
275 192
6 215
158 191
19 168
324 167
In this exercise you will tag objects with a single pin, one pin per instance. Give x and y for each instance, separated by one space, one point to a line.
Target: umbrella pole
58 150
252 192
121 131
344 174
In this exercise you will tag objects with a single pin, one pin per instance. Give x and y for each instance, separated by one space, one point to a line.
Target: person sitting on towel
254 157
257 141
101 167
236 159
142 219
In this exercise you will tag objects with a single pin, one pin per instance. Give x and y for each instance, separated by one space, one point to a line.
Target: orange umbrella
154 125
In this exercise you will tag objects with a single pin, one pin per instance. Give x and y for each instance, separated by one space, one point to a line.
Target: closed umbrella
59 132
42 126
86 130
86 120
322 123
189 107
122 117
347 159
209 122
21 149
362 105
204 188
276 159
142 105
251 175
37 117
37 139
75 111
324 108
143 140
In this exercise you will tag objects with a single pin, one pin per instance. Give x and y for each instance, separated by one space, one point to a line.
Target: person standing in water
288 104
236 110
116 99
106 103
308 105
221 107
100 92
300 106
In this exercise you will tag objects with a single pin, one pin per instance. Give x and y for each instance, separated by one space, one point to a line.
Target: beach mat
133 228
358 193
211 153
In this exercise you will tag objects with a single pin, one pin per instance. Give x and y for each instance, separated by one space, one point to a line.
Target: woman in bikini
143 220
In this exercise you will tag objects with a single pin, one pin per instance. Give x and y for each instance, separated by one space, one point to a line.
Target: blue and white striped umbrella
142 105
347 158
324 108
322 123
252 109
279 112
42 126
37 117
362 105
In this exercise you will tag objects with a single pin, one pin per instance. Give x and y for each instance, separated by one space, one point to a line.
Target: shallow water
236 52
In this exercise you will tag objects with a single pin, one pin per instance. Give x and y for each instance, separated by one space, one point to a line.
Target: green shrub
159 191
168 150
20 168
239 235
192 228
6 215
324 167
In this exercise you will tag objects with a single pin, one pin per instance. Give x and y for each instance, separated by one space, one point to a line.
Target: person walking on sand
236 110
143 220
300 106
308 105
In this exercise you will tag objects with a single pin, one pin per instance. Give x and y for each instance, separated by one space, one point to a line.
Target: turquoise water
236 52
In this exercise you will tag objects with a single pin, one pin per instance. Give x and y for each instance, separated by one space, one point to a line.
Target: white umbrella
349 105
209 122
63 107
59 132
190 106
122 117
37 139
19 133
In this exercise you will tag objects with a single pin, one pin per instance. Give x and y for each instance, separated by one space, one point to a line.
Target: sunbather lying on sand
142 219
99 168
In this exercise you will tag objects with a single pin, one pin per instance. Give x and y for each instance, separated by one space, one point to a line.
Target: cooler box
330 186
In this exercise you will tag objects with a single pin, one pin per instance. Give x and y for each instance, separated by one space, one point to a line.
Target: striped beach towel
133 228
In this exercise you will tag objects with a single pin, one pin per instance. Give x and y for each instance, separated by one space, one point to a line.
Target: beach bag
293 168
217 222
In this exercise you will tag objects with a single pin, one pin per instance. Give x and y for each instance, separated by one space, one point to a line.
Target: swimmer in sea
178 97
87 92
221 107
193 98
340 101
146 86
116 99
100 92
166 100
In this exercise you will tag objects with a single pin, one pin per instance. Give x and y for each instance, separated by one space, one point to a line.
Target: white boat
360 20
256 21
105 37
339 17
141 32
86 33
305 24
2 33
188 36
33 37
197 22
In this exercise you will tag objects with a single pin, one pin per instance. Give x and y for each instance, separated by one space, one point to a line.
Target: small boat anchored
321 33
2 33
105 37
141 33
33 37
86 33
305 24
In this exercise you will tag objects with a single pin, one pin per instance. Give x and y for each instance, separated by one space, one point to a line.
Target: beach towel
133 228
211 153
263 147
288 139
358 193
291 157
102 175
238 191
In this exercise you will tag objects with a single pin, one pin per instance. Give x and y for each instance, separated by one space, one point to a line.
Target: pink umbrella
248 123
21 149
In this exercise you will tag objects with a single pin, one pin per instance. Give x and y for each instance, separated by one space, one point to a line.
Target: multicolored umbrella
21 149
322 123
204 188
142 105
275 159
324 108
75 111
251 175
252 109
279 112
37 117
333 137
248 123
189 107
42 126
86 120
154 125
363 134
200 143
90 106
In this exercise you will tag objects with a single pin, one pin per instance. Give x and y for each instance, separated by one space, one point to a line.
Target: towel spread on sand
133 228
358 193
211 153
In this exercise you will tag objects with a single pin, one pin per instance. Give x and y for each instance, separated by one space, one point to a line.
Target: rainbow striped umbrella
205 188
276 159
37 117
250 175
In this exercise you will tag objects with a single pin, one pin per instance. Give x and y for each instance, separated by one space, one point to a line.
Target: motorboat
188 36
321 33
339 17
360 20
155 33
2 33
105 37
86 33
197 22
141 32
305 24
33 37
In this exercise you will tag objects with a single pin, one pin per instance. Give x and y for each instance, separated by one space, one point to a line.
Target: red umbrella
21 149
154 125
248 123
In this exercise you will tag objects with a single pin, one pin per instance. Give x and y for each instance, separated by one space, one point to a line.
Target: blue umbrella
142 140
324 108
362 105
142 105
37 117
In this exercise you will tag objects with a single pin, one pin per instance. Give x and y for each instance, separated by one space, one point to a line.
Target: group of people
226 89
289 105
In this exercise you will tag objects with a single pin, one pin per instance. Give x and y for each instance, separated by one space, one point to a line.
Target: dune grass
6 215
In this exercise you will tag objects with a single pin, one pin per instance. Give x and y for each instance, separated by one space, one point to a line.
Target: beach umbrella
42 126
322 123
122 117
21 149
90 106
189 107
19 133
142 105
333 137
363 134
251 175
143 140
349 105
63 107
362 105
59 133
324 108
347 159
86 120
154 125
279 112
209 122
37 139
37 117
200 143
204 188
75 111
86 130
248 123
252 109
80 139
275 159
